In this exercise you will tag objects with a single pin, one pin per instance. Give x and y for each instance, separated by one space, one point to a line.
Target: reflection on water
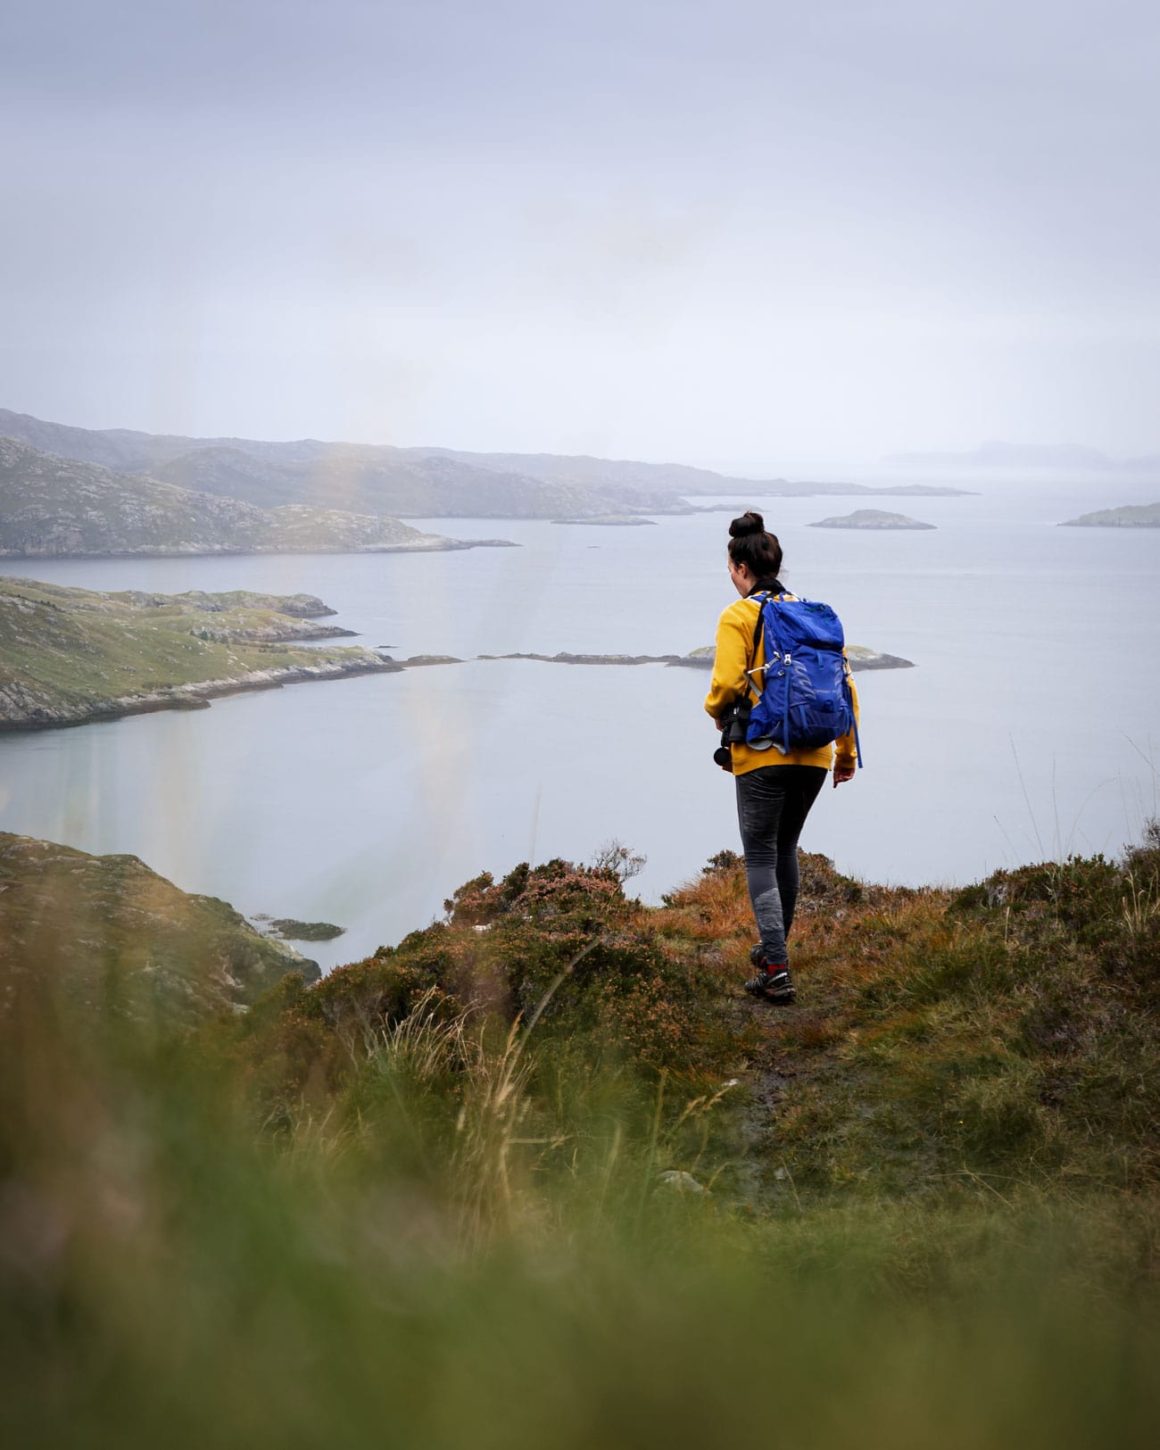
1026 730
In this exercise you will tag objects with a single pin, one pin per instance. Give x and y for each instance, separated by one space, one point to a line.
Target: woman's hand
843 773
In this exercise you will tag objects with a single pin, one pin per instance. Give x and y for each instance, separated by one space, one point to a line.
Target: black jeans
772 805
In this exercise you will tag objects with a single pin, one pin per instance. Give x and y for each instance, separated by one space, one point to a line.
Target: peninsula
68 656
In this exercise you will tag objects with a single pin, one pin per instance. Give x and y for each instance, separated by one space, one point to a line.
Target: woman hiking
774 790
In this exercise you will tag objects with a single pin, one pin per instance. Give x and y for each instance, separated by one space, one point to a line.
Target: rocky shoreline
427 544
20 711
861 658
610 521
75 656
19 714
71 656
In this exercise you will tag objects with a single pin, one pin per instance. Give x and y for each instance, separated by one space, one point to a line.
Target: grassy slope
65 649
981 1042
107 925
989 1040
375 1211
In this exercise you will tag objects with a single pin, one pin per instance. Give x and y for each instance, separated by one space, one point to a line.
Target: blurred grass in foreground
421 1203
174 1276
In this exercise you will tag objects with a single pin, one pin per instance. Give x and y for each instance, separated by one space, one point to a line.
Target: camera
734 724
734 730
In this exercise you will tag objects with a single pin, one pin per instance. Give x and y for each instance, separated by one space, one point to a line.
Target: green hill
945 1040
70 655
117 936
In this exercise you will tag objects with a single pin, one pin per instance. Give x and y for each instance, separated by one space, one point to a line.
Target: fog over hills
375 481
57 507
360 478
411 482
1041 458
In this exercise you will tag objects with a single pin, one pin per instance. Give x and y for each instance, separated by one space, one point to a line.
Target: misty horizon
1037 461
755 239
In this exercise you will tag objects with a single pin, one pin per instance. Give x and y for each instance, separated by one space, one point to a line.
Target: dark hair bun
748 523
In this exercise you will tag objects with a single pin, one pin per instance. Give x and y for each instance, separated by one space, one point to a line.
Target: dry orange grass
712 915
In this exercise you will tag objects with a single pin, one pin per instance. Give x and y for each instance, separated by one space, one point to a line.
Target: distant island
1129 516
384 480
623 521
53 507
287 928
870 519
861 658
68 656
926 490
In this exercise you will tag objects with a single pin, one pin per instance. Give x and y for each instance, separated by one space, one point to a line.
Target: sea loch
1026 730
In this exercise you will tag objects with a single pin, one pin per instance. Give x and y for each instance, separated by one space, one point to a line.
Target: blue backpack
805 699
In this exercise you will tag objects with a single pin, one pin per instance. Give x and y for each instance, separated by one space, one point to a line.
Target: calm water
1028 729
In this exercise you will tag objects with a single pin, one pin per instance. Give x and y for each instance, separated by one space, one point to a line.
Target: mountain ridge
414 482
51 506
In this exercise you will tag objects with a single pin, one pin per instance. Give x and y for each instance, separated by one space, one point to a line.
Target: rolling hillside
52 506
413 482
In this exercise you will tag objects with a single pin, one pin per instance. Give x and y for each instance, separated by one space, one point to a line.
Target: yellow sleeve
845 749
734 639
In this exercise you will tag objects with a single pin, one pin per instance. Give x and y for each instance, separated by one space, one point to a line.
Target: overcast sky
749 233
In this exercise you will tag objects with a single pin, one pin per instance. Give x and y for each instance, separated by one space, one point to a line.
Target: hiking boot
772 982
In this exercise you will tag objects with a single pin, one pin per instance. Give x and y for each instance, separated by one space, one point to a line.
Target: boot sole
778 999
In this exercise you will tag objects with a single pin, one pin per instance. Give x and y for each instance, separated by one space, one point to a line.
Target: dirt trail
787 1048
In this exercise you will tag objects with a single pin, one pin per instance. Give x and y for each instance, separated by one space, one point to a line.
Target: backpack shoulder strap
760 600
759 625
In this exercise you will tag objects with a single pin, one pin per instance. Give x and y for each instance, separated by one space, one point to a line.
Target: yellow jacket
736 654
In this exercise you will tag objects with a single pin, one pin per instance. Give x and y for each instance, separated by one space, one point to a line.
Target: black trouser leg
772 805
